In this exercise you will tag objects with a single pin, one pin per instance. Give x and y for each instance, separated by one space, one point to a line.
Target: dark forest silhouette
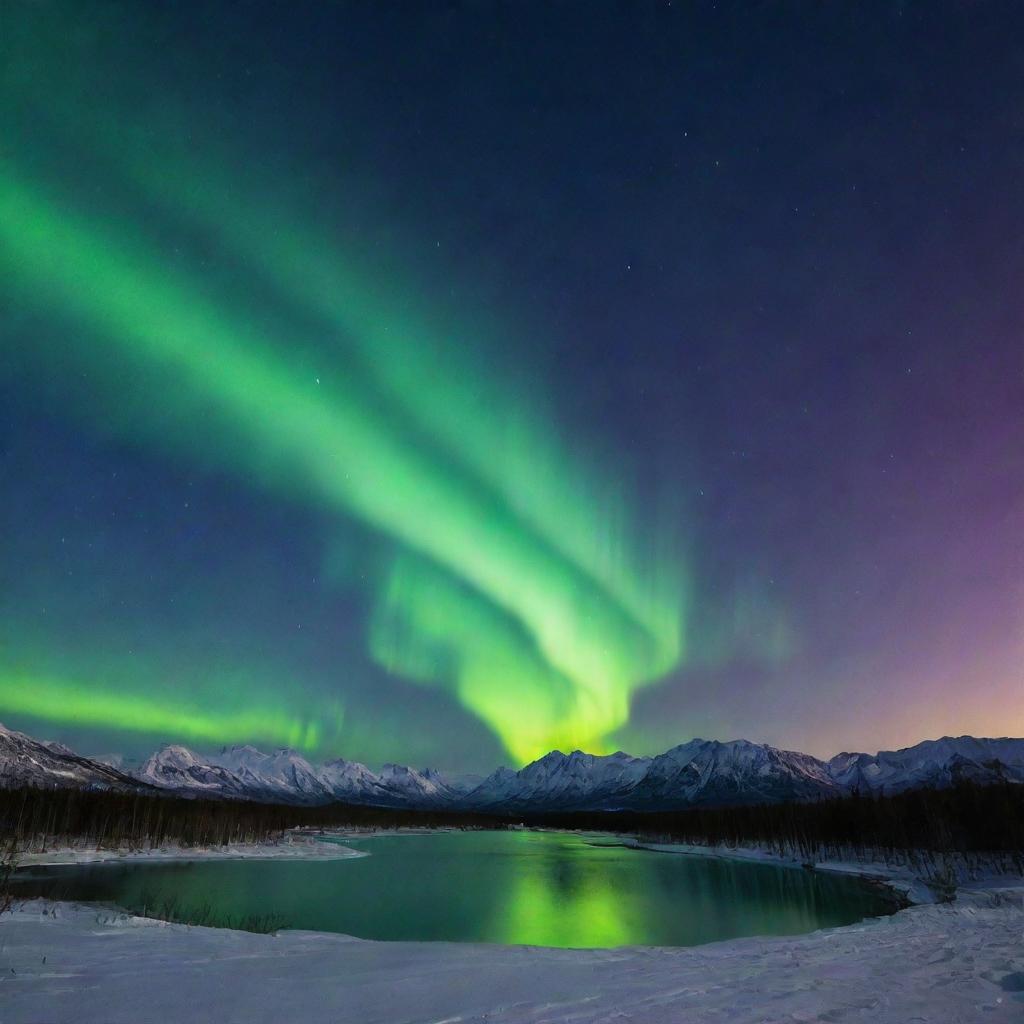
962 819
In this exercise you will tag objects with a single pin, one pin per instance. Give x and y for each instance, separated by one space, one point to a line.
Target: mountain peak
28 762
174 752
696 773
241 748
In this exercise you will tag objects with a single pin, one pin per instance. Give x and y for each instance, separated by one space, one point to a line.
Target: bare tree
8 862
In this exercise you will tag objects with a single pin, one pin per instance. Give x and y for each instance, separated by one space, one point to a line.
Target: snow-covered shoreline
305 843
946 963
905 885
292 846
949 964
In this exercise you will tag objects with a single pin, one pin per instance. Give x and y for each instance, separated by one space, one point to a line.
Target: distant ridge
25 761
700 773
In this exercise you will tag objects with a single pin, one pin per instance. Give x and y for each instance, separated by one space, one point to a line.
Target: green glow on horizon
510 580
428 628
62 701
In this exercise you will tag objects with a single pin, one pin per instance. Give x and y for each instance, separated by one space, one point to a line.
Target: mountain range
694 774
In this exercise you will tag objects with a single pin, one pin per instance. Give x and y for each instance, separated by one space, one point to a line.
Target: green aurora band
506 572
92 705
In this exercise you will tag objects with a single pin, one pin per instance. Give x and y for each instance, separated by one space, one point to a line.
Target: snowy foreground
940 963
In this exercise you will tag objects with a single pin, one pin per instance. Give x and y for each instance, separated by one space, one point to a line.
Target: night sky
448 382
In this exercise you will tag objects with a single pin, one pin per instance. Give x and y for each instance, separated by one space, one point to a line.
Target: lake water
550 889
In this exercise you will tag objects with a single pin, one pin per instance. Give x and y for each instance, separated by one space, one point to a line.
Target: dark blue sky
763 259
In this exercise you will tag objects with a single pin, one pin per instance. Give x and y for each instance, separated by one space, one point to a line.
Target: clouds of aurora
505 570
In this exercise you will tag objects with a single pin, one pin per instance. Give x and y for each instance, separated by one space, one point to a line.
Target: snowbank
950 964
292 846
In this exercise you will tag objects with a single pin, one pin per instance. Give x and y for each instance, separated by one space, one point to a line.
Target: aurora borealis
393 423
527 624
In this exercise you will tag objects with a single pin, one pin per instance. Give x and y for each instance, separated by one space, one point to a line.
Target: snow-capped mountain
242 771
931 763
693 774
427 787
176 767
558 780
707 772
700 772
287 776
284 774
355 780
25 761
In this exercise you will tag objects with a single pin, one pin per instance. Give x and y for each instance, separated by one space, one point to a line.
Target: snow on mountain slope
706 772
177 767
240 771
284 772
694 773
941 762
560 780
353 782
427 787
698 773
285 775
25 761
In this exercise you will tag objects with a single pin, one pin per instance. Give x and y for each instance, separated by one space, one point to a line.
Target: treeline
964 819
37 818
